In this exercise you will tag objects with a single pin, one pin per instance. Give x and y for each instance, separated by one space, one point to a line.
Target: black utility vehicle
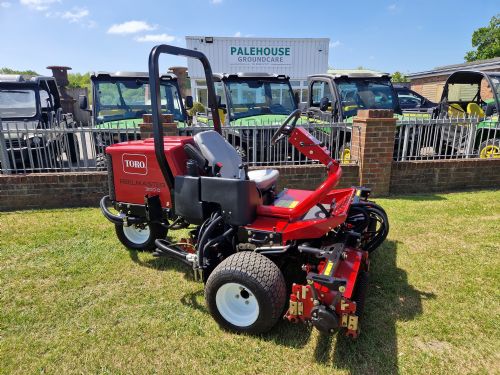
35 130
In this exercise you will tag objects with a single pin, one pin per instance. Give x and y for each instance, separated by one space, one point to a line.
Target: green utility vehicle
119 102
36 133
476 95
249 100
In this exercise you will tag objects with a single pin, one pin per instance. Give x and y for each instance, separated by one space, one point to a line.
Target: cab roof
354 73
252 75
129 75
18 78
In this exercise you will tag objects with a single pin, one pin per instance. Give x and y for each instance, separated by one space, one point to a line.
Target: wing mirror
189 102
323 104
83 102
489 109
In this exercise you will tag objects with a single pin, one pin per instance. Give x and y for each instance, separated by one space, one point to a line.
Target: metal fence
25 147
429 139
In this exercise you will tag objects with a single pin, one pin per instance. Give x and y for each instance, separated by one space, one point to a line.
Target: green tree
79 80
22 72
486 41
398 77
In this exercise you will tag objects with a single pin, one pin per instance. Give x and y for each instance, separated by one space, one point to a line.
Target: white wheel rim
237 304
136 234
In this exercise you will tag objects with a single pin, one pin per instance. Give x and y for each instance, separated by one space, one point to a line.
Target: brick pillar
372 145
169 126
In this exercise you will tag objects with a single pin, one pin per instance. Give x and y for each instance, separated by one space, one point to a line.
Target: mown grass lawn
73 300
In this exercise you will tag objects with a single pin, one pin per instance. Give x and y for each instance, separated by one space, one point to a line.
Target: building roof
488 64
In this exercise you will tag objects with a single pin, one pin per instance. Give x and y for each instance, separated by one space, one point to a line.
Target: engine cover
136 172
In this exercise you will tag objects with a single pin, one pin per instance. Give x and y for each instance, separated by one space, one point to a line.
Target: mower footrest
165 248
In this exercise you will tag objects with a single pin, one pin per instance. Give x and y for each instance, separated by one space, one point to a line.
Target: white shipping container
295 57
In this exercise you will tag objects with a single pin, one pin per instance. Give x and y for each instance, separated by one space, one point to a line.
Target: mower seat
264 178
216 149
473 109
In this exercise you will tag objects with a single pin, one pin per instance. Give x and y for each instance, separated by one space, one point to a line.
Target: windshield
130 99
17 103
463 92
362 93
260 97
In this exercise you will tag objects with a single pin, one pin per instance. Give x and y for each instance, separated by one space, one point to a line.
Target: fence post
4 156
373 147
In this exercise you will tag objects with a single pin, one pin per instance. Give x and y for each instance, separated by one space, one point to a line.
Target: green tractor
119 102
249 100
336 97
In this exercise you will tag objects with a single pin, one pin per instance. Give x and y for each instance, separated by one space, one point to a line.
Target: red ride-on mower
250 245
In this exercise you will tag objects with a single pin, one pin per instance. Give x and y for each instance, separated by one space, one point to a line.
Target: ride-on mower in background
250 244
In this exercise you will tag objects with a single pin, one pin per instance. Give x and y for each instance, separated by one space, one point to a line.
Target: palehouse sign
260 55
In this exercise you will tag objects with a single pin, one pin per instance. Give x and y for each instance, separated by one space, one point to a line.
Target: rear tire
246 293
140 237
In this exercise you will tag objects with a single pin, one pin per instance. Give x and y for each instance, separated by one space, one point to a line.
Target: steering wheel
285 129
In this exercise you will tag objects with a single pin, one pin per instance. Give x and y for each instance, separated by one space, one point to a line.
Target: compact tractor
262 254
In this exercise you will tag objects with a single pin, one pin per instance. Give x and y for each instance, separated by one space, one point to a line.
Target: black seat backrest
195 154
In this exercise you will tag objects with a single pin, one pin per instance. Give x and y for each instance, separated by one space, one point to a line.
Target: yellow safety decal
286 203
328 268
358 193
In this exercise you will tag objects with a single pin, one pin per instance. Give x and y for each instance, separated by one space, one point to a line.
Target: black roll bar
154 85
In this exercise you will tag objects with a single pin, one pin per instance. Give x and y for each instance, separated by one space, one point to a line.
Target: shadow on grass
191 300
390 299
163 263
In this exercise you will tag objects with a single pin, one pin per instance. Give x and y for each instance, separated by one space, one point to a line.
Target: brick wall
58 190
412 177
52 190
309 177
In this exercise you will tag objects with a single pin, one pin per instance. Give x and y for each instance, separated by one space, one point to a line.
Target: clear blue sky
402 35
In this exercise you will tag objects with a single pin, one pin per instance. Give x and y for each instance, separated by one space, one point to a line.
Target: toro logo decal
135 164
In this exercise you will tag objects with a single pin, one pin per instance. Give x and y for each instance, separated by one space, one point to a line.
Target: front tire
140 236
246 293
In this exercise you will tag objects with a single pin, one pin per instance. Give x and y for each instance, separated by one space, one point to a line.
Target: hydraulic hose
204 237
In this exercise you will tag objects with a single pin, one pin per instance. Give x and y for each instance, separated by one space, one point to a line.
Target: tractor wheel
345 153
140 236
490 149
246 293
